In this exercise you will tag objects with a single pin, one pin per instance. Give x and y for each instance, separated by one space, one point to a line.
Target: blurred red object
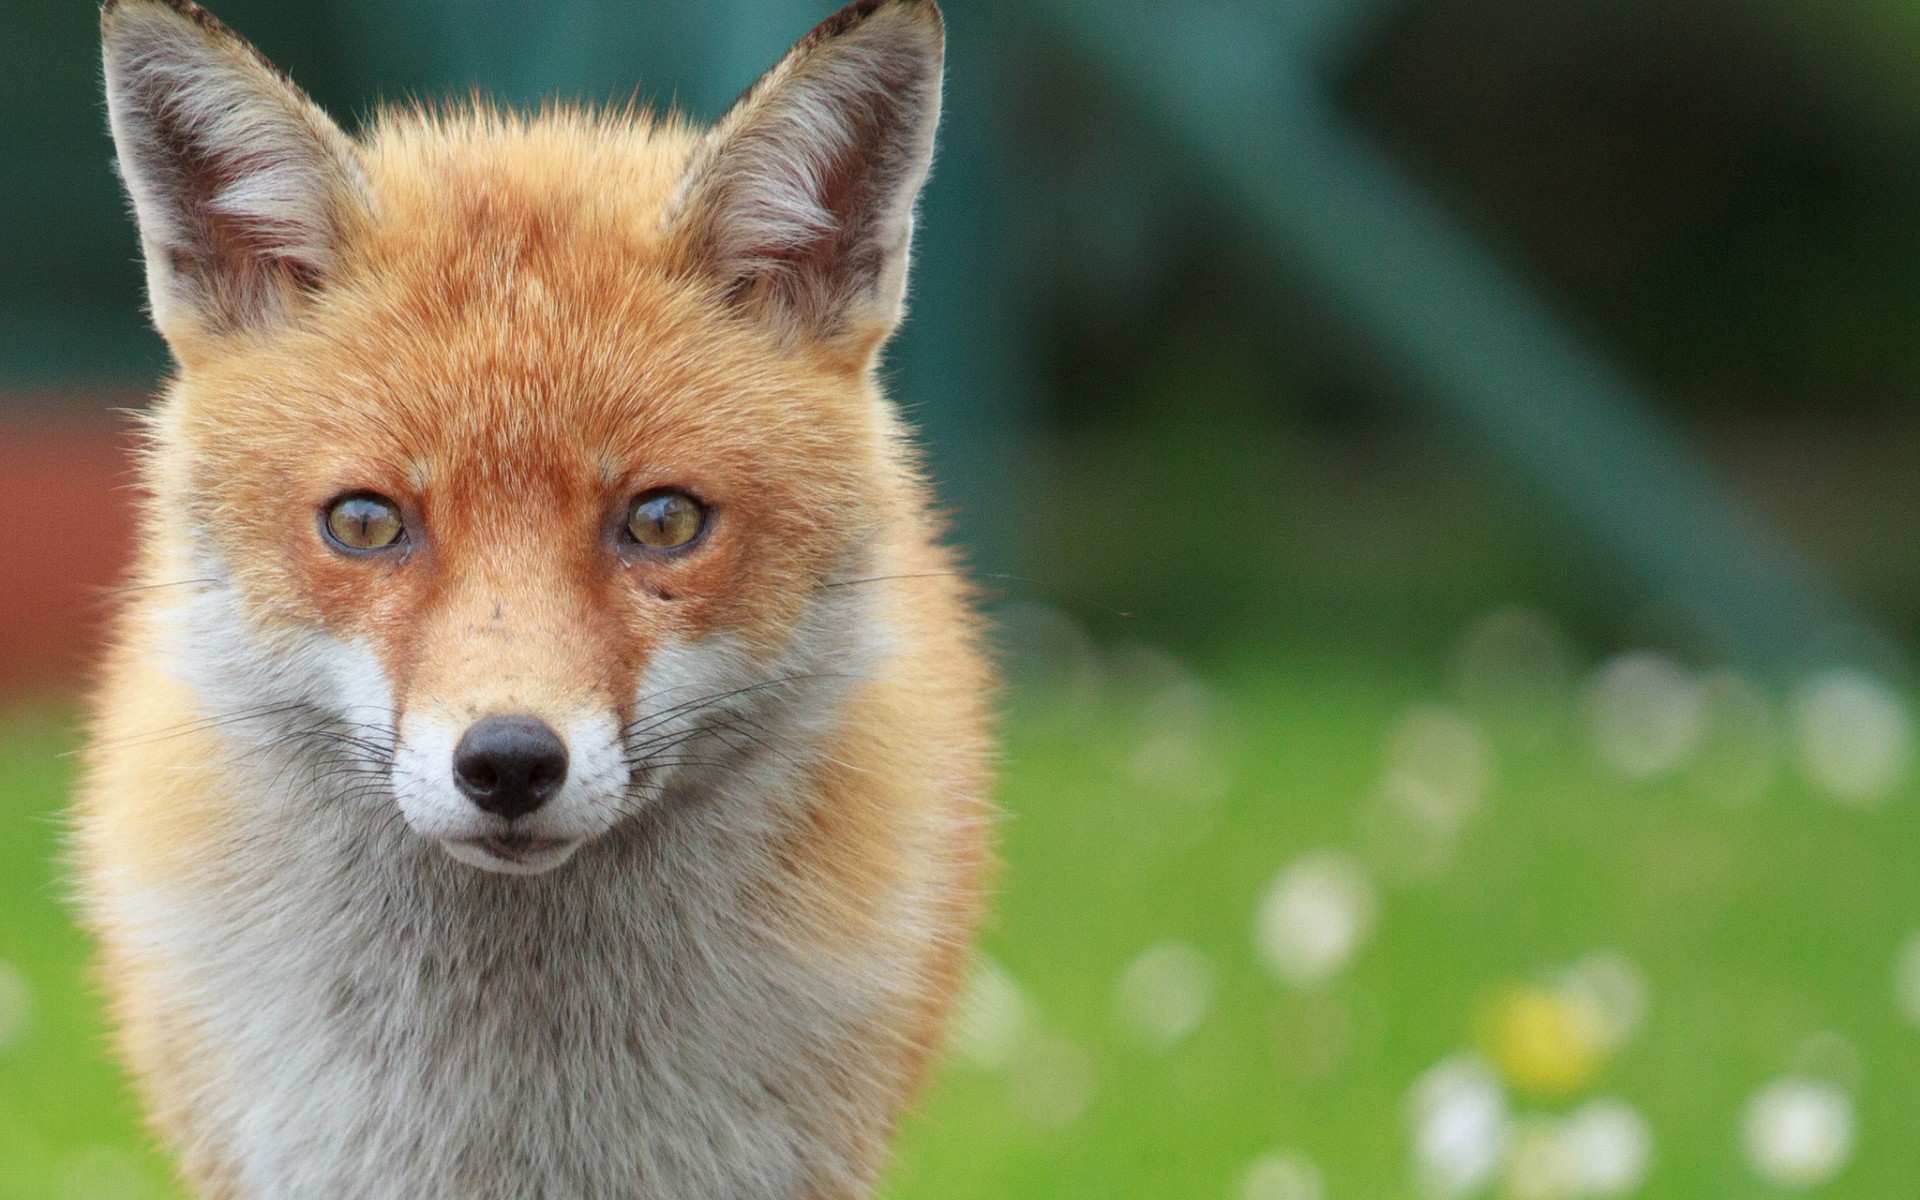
66 531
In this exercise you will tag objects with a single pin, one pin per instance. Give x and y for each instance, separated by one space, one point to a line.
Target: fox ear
800 203
239 184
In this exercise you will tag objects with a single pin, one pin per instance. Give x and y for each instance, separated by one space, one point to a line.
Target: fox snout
507 738
511 792
508 730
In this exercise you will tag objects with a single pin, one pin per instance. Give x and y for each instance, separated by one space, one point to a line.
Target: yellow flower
1544 1040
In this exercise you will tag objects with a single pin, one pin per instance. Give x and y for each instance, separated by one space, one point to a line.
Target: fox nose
510 766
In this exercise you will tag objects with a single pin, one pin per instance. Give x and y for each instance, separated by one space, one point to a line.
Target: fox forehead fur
717 960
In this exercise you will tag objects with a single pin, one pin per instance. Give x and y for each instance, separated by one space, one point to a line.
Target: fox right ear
239 184
800 202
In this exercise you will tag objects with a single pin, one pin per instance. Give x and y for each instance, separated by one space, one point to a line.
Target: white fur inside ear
236 179
804 196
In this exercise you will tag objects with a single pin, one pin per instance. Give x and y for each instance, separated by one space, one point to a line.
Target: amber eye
665 519
363 522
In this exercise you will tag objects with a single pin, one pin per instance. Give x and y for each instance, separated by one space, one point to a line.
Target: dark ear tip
925 11
927 8
185 9
857 14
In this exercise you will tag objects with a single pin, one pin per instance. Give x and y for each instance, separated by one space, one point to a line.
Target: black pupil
361 521
661 512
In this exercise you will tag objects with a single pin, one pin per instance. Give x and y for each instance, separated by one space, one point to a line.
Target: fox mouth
513 853
517 846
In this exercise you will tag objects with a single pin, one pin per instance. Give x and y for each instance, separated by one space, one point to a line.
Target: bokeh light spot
1445 752
1828 1057
1050 660
1314 917
16 1005
1612 989
1539 1163
1610 1146
1799 1132
1855 736
994 1019
1165 993
1436 771
1053 1082
1644 715
1460 1127
1738 761
1514 668
1282 1175
1906 979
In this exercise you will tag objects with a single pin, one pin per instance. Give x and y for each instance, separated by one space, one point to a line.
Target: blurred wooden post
1472 339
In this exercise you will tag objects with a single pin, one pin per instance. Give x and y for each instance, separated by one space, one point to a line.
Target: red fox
545 754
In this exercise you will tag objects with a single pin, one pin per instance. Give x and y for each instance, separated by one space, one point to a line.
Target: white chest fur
384 1023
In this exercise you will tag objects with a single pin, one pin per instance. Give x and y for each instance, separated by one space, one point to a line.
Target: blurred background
1446 470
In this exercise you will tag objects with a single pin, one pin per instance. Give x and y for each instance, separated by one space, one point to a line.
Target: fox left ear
240 185
800 203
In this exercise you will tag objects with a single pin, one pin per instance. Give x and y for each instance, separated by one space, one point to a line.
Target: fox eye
363 522
665 519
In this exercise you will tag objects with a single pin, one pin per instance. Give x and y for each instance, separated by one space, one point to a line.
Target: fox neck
413 1028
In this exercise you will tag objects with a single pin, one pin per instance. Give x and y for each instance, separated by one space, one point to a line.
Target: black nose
510 765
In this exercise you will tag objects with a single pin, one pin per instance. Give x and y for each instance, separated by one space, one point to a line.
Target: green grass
68 1129
1755 926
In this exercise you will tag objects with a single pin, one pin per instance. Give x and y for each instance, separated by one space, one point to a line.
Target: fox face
524 466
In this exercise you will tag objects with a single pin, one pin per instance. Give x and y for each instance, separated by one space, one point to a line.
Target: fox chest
531 1055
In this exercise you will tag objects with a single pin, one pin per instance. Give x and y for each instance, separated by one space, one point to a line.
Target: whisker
644 723
97 594
723 731
200 724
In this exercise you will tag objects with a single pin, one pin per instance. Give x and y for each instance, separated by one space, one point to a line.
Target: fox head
524 464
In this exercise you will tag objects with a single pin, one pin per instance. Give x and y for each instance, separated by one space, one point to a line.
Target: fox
545 749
